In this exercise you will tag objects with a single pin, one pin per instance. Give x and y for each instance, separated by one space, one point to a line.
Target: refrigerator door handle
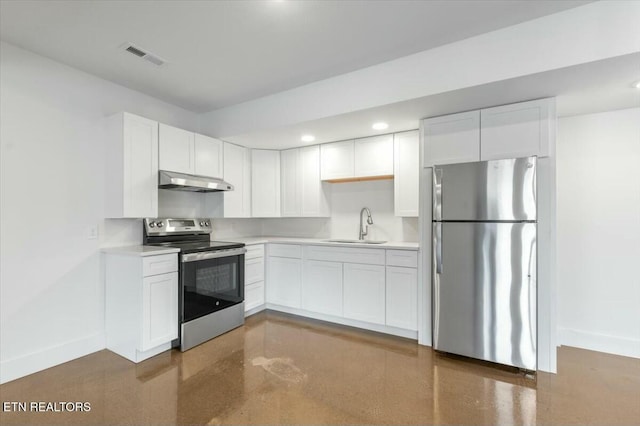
438 248
437 193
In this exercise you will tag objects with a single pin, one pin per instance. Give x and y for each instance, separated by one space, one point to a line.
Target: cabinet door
237 172
406 173
177 149
253 295
265 183
374 156
517 130
314 193
208 156
364 292
284 281
253 270
159 310
452 139
402 297
337 160
322 287
139 189
290 183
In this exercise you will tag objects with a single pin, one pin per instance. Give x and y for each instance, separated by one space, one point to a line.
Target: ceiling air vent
143 54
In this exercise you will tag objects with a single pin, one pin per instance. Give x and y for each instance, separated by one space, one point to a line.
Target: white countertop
400 245
140 250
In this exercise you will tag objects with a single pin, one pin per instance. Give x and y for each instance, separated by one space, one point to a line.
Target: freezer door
484 291
487 190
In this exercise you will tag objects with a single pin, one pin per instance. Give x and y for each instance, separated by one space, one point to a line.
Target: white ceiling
221 53
592 87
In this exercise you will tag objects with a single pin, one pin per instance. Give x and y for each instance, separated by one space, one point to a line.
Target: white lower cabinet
402 297
375 289
141 304
253 270
322 287
364 292
284 277
254 296
159 310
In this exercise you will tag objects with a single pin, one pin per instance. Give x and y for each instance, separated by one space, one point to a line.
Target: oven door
211 281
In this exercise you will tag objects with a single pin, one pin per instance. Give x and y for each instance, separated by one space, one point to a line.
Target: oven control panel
166 226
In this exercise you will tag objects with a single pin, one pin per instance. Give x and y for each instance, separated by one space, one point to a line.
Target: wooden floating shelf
360 179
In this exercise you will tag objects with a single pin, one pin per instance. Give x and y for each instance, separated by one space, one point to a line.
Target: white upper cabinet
337 160
373 156
314 194
187 152
362 158
237 171
265 183
406 173
303 194
509 131
177 149
208 153
291 187
452 139
132 167
517 130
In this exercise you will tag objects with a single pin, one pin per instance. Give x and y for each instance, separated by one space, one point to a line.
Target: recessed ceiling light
637 84
380 126
308 138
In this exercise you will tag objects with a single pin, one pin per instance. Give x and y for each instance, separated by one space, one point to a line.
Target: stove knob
202 224
152 225
207 224
159 224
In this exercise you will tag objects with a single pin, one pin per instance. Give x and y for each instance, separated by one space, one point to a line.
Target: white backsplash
347 199
234 228
180 204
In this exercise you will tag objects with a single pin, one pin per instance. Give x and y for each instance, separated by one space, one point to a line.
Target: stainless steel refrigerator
484 261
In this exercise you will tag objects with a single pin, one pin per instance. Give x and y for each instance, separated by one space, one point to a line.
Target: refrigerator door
499 190
484 301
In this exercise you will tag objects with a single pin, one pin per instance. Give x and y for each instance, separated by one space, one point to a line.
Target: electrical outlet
92 232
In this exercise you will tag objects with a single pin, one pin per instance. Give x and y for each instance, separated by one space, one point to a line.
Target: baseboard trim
255 310
599 342
409 334
16 368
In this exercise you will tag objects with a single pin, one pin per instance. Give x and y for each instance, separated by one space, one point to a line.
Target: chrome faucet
364 229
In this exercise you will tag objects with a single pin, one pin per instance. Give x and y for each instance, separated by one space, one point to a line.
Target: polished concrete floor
281 369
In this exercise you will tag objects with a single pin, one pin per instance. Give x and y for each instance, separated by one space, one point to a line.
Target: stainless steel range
211 297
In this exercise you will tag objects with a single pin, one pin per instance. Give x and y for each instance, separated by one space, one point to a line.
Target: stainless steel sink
355 241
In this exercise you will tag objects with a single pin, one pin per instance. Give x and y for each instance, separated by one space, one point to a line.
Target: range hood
194 183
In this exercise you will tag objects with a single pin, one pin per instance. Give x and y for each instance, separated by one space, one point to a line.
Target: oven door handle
204 255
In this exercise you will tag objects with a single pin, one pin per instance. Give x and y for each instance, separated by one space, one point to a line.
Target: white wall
51 296
598 166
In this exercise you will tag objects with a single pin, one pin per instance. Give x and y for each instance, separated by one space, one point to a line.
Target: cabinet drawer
253 270
254 251
406 258
345 254
155 265
253 295
285 250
